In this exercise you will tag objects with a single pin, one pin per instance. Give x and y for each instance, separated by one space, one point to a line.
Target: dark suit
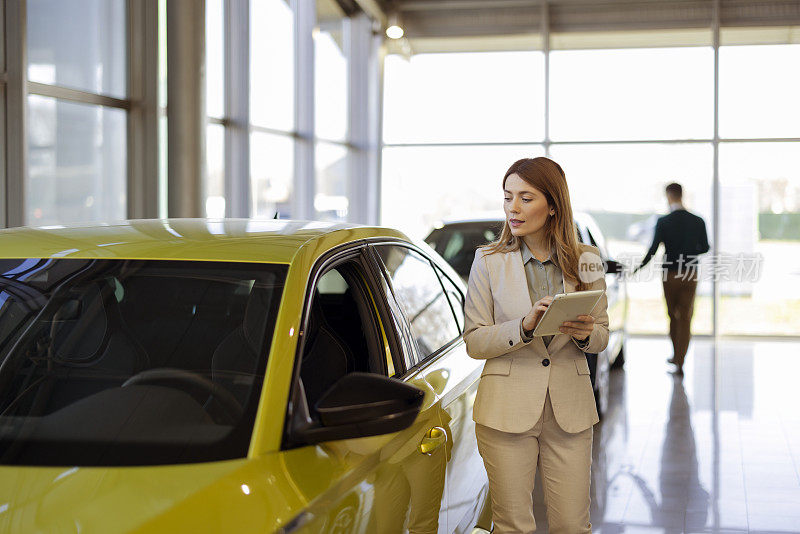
684 237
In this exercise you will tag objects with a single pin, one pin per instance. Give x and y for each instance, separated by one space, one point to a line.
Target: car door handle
435 438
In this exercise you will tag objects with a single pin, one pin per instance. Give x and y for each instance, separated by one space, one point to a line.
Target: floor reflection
716 451
679 483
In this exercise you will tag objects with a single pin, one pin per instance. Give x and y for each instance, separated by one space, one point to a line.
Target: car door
436 313
467 485
386 483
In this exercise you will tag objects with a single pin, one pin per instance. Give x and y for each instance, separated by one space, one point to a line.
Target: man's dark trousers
679 291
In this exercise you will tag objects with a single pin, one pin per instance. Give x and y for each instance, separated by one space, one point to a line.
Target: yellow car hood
235 495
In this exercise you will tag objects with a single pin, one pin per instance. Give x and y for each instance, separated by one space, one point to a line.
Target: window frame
298 413
418 362
440 272
140 105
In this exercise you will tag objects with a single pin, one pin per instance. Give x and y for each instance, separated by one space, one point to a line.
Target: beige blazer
514 381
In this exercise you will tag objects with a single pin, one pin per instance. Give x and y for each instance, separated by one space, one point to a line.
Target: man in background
684 237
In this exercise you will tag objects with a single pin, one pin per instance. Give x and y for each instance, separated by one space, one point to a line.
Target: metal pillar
715 207
363 174
185 107
545 28
375 107
14 181
237 108
305 15
143 116
377 156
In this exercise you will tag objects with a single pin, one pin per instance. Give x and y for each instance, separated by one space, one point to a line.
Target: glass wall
331 200
641 95
463 98
759 245
272 101
272 124
623 123
638 94
330 72
474 102
93 87
622 187
215 59
271 174
80 45
272 65
331 103
214 183
758 91
424 185
76 162
77 170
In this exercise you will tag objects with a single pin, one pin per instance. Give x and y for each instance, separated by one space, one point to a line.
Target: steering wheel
192 383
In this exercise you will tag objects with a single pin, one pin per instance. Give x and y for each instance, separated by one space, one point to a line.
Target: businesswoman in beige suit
535 405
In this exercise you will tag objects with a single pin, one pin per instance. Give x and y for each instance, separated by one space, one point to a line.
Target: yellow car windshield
132 362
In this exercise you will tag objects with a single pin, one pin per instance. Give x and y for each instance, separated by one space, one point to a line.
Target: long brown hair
559 231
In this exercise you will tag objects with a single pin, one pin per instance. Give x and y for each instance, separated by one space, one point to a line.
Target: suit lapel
519 288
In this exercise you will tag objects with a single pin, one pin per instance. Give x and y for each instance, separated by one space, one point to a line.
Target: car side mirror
613 267
363 404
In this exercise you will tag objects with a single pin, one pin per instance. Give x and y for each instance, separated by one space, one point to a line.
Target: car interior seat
327 357
95 349
235 360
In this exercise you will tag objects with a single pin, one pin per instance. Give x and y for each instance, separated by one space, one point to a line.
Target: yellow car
234 376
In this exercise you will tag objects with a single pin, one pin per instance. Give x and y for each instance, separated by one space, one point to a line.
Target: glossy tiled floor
715 451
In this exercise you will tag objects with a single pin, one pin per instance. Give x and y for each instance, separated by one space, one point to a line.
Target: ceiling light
394 30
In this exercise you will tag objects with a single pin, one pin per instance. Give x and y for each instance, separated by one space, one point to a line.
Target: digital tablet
566 307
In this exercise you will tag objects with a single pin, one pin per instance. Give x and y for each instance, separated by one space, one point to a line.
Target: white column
716 187
237 108
545 28
305 15
363 189
186 111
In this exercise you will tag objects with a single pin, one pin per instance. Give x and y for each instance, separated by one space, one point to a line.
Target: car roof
244 240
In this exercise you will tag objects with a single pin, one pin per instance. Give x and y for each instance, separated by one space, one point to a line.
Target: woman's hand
580 329
537 310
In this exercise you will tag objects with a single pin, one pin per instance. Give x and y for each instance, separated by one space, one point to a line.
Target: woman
535 403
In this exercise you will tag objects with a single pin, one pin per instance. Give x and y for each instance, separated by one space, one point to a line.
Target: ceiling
439 18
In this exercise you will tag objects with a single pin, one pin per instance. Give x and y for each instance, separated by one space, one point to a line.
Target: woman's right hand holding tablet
537 311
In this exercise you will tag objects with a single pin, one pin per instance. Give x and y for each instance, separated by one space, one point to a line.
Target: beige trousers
564 461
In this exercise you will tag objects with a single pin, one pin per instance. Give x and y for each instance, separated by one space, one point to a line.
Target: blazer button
510 342
545 362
